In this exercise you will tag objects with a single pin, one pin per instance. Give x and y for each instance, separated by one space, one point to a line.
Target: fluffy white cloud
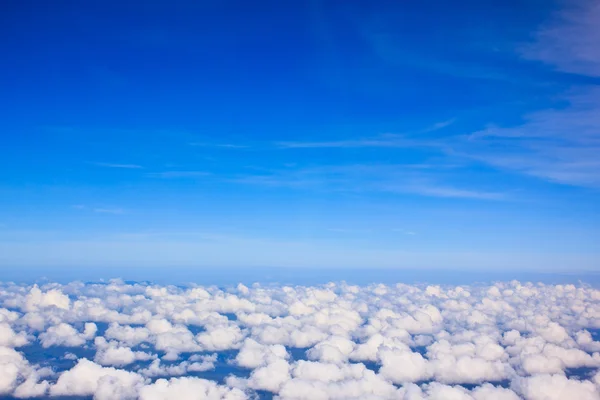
220 337
112 354
253 354
9 338
36 299
316 380
16 375
64 334
555 387
270 377
418 342
195 364
189 389
87 378
401 366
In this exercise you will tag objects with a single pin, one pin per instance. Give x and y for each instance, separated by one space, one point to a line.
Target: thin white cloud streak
414 179
123 166
374 142
179 174
349 230
220 145
569 40
449 192
384 140
558 144
108 210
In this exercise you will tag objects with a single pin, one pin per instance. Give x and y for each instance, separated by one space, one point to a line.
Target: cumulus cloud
112 354
64 334
504 341
189 389
90 379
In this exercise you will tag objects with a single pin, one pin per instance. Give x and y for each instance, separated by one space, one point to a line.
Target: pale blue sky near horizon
311 134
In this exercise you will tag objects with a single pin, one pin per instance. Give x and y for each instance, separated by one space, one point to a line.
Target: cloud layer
129 340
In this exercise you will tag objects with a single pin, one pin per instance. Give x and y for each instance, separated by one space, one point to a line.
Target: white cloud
18 376
270 377
555 387
112 354
87 378
253 354
123 166
189 389
221 337
9 338
36 299
425 338
64 334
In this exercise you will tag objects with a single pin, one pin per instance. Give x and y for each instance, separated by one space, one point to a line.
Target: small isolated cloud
109 210
348 230
178 174
451 192
220 145
431 190
384 140
405 232
113 165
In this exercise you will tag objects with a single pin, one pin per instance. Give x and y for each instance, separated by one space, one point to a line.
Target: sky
311 134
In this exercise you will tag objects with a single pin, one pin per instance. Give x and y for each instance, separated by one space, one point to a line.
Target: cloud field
121 340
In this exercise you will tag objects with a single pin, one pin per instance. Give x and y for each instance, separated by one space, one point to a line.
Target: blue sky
301 134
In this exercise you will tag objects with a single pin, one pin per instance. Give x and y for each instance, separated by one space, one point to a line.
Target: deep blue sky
309 134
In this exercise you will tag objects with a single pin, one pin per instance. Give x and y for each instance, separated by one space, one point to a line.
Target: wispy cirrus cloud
559 144
108 210
439 190
389 141
178 174
99 210
220 145
569 40
394 178
383 140
116 165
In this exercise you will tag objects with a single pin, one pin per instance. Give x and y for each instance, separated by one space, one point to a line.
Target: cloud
449 192
64 334
87 379
569 40
123 166
18 377
384 140
253 354
372 142
378 341
178 174
387 178
220 145
109 210
113 354
189 389
558 144
556 387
